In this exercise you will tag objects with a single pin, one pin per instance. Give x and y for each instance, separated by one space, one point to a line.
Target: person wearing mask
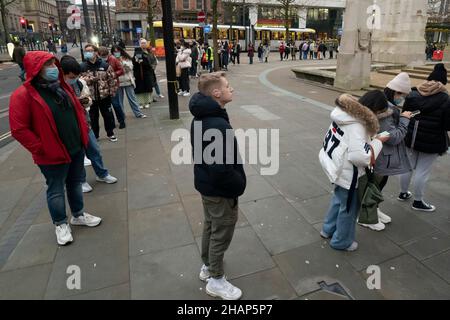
46 117
101 80
118 71
71 70
427 137
127 82
348 149
144 75
185 62
393 159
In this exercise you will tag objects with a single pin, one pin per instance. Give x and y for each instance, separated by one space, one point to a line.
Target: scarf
55 87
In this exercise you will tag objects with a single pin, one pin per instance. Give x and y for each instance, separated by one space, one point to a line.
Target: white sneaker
204 273
87 162
147 106
223 289
352 247
161 96
186 94
109 179
180 93
86 187
141 107
376 227
382 217
86 220
63 234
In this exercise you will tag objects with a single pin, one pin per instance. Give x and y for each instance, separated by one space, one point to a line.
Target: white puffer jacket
184 59
348 141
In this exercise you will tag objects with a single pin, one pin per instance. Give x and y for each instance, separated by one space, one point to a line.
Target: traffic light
23 22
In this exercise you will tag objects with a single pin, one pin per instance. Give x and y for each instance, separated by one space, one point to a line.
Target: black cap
439 74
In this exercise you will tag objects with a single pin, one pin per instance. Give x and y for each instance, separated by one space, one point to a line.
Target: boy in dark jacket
220 179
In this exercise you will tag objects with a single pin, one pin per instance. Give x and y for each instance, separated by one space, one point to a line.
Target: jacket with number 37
348 141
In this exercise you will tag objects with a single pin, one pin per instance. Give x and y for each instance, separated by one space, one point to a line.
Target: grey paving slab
306 266
11 193
405 278
141 132
25 284
120 292
168 274
184 179
38 246
156 190
147 156
246 254
158 228
105 144
3 216
113 159
313 210
374 248
405 226
294 185
265 285
111 206
428 246
257 188
440 265
101 188
273 217
19 165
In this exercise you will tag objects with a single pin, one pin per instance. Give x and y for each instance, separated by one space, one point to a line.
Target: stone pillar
401 38
354 61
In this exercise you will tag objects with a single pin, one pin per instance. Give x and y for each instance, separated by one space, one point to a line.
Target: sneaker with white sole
423 206
403 196
324 235
147 106
63 234
223 289
353 247
375 227
383 217
186 94
161 96
86 187
142 116
87 162
86 220
180 93
109 179
204 273
112 138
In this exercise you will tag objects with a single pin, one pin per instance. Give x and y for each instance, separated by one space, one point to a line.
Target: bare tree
289 9
3 5
214 34
151 7
229 7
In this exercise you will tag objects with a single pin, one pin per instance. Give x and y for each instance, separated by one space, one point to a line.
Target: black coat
215 180
143 72
434 122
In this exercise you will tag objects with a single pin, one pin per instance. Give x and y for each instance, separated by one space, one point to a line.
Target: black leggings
184 80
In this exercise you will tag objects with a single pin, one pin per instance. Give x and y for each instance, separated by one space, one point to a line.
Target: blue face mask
88 55
399 101
72 81
51 74
117 54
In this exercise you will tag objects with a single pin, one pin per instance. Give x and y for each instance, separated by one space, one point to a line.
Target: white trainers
147 106
382 217
63 234
180 93
204 273
87 162
223 289
376 227
86 220
186 94
352 247
161 96
109 179
86 187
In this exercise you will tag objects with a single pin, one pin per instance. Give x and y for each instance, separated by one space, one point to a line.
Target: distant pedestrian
266 51
260 52
184 60
281 49
17 57
220 184
144 75
251 52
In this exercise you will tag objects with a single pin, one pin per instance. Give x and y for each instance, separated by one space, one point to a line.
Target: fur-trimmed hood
386 114
349 111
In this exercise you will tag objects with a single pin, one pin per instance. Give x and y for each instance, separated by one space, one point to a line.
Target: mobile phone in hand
415 113
384 134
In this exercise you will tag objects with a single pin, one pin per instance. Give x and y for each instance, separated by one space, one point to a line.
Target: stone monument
390 31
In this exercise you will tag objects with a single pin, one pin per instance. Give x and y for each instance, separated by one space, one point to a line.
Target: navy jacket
216 179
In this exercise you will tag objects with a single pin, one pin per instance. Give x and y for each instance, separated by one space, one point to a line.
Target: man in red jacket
46 117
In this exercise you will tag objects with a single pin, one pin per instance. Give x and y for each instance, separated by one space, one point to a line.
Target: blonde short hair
210 81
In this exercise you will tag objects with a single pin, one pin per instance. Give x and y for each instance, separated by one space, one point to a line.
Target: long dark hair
389 93
122 51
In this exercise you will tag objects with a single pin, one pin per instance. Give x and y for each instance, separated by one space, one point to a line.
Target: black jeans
184 80
102 106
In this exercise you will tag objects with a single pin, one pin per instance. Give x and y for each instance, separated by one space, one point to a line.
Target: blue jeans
210 66
69 175
157 90
129 91
93 154
340 224
118 108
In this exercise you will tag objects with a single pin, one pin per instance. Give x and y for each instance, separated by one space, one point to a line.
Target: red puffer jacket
31 120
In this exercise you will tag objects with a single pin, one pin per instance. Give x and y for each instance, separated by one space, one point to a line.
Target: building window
199 4
185 4
318 14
